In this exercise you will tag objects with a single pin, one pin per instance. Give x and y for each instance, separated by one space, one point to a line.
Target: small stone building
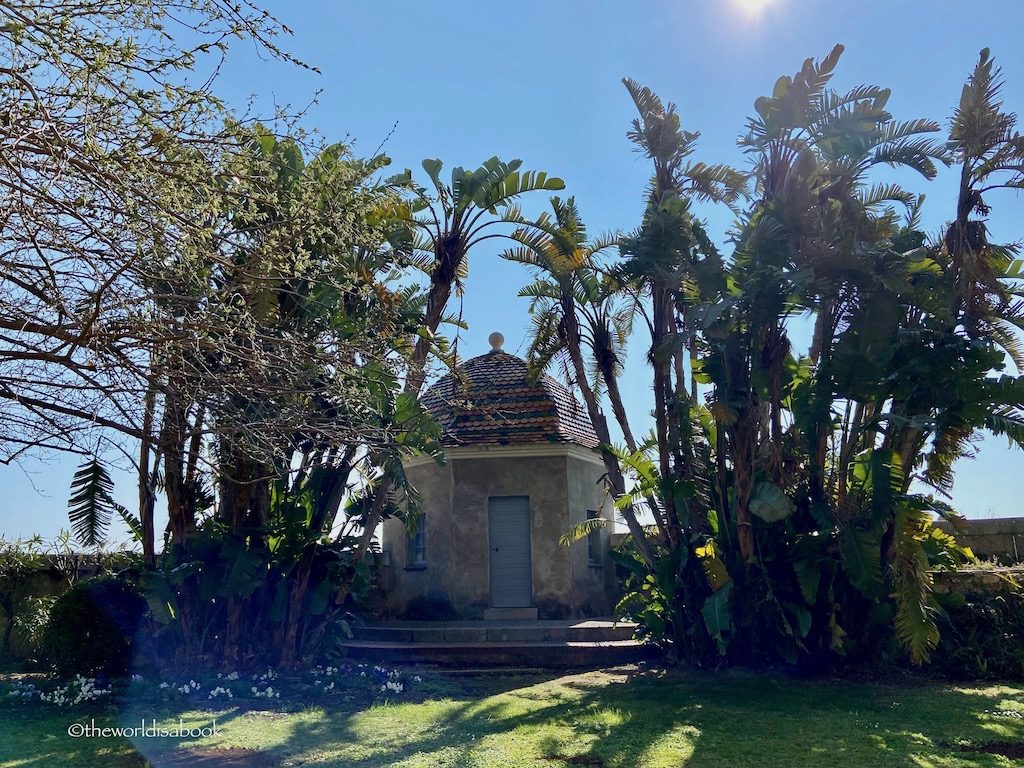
521 470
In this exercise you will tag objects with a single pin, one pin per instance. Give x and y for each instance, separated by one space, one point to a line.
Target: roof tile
490 400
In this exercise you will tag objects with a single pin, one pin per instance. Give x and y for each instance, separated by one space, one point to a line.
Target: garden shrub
30 622
91 628
982 637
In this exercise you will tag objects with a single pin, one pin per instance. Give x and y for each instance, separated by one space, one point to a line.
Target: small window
417 551
594 553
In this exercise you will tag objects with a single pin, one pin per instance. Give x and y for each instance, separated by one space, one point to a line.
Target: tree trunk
618 409
616 482
448 259
665 413
180 519
743 444
147 493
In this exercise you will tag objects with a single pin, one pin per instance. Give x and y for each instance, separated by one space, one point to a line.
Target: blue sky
541 81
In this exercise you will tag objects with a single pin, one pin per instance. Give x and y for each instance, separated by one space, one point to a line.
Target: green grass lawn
601 719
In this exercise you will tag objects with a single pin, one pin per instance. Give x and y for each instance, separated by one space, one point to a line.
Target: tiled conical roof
490 400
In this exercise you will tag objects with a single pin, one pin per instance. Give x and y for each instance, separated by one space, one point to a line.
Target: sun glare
752 6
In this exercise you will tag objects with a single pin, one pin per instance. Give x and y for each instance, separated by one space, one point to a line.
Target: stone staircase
550 644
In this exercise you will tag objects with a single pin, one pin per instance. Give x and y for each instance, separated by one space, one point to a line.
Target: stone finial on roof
496 340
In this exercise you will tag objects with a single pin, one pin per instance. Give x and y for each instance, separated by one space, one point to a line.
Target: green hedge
982 637
92 627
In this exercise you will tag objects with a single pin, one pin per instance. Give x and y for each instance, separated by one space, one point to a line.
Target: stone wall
1000 539
993 581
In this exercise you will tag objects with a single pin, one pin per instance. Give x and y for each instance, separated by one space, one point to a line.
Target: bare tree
108 131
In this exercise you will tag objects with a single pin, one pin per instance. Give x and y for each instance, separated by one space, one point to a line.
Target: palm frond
1006 334
830 101
911 576
546 342
1007 422
133 522
541 288
918 154
581 530
895 130
886 193
90 506
979 124
718 183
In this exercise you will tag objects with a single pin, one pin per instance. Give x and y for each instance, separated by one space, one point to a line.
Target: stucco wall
593 585
454 499
543 480
403 583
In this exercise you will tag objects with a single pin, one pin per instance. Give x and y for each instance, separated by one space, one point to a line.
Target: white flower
80 689
269 693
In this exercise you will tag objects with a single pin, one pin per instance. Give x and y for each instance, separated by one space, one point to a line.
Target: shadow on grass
611 719
672 719
38 738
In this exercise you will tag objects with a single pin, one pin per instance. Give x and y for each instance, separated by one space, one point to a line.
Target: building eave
470 452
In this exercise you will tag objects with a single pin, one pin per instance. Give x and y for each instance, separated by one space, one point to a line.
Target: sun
753 6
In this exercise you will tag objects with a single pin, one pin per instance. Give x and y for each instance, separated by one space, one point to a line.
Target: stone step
510 614
495 632
548 655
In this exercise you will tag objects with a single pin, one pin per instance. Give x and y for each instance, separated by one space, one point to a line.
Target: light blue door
508 519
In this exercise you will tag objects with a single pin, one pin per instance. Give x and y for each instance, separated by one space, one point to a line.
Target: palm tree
660 259
452 218
568 289
812 149
822 240
447 221
990 153
802 248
